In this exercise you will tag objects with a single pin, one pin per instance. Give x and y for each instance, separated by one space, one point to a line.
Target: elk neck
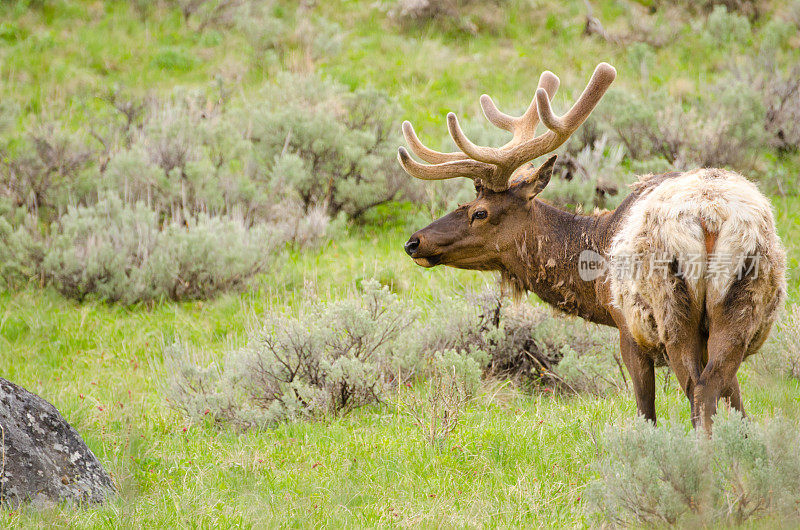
546 259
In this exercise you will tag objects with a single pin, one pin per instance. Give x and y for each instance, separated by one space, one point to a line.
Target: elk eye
480 214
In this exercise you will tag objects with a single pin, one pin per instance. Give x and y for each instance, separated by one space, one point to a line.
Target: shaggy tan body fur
710 223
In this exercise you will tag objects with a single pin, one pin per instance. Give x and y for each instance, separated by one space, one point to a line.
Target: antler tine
526 123
521 127
445 170
548 82
495 166
601 79
489 155
495 116
428 155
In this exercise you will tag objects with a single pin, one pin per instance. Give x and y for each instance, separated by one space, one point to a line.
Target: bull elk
691 270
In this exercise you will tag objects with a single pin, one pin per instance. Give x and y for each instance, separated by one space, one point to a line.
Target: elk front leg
642 372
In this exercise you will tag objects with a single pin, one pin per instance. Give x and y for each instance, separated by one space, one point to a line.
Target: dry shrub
302 140
437 412
297 40
668 475
344 354
535 345
724 129
589 177
531 345
644 29
117 252
325 146
751 9
290 165
789 338
468 16
793 13
781 92
45 168
120 253
199 14
185 158
21 250
332 358
781 353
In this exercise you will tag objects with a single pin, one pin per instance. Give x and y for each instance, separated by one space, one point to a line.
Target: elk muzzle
415 247
411 246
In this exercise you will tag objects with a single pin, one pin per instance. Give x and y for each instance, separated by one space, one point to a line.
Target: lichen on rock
43 459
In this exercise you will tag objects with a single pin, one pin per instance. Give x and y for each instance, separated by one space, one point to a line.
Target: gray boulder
42 458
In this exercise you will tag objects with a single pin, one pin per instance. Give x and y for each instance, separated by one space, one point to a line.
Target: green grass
65 55
516 459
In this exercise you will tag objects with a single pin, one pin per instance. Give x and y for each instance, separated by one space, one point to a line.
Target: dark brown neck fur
546 260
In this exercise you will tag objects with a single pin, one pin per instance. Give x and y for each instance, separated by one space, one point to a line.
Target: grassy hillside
62 56
517 458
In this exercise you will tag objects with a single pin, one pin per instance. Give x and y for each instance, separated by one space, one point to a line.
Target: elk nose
412 245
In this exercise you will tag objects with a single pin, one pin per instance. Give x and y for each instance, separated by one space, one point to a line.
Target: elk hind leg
732 395
727 345
739 324
677 356
680 316
685 354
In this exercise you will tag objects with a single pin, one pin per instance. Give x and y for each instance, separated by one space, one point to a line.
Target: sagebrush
119 253
330 359
186 196
781 355
116 252
668 475
529 344
461 16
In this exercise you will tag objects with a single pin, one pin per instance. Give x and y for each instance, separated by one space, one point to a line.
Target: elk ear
531 181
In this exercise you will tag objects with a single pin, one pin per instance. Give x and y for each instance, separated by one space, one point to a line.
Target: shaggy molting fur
675 218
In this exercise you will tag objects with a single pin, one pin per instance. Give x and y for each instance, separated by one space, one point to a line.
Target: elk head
477 235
